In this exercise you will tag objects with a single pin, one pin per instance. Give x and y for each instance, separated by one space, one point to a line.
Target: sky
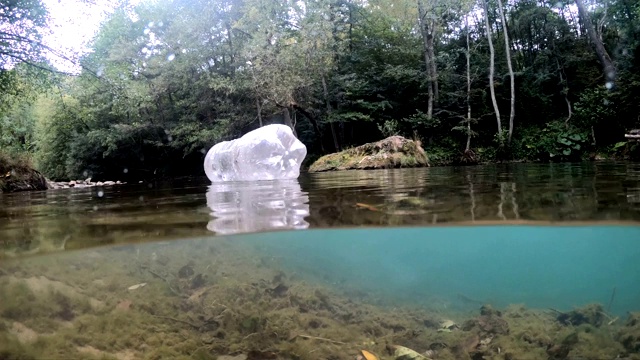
73 25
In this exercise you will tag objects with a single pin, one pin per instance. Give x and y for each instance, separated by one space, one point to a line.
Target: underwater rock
448 326
24 334
185 272
629 335
404 353
592 314
198 281
488 310
278 291
489 324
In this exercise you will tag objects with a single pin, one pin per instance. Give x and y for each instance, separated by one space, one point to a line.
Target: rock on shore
392 152
80 184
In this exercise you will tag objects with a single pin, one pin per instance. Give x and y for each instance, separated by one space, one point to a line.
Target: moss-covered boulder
17 175
392 152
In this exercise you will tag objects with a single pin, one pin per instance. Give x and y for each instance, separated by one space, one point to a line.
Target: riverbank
17 174
52 185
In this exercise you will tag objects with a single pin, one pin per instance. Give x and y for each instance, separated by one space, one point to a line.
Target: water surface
79 218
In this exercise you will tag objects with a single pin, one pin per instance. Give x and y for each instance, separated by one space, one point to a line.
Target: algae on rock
392 152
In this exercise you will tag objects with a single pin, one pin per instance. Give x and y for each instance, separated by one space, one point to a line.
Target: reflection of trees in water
541 192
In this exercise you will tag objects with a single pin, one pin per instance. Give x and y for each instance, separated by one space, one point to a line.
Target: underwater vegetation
220 299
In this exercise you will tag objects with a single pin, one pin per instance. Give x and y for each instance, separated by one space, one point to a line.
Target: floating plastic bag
271 152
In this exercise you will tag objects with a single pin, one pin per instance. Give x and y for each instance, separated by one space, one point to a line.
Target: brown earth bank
392 152
17 174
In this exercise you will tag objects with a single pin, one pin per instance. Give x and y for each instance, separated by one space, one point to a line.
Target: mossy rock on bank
16 175
392 152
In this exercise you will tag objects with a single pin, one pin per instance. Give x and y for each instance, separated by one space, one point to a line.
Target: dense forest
473 80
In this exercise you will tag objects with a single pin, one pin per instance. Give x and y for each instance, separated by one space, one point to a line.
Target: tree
608 68
507 50
492 68
21 26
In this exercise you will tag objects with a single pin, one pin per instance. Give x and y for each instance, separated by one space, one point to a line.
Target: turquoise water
559 267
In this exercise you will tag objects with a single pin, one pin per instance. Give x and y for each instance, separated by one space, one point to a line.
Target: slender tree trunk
231 56
601 52
433 73
259 109
287 119
507 49
565 92
329 111
427 58
468 56
492 67
313 122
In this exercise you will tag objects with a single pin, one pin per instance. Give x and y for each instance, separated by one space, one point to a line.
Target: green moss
388 153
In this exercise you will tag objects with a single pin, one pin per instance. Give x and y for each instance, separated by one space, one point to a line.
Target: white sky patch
72 26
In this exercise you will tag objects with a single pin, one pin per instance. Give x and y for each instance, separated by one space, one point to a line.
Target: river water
329 264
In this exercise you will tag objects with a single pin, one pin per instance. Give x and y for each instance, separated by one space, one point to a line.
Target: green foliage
556 142
389 128
157 92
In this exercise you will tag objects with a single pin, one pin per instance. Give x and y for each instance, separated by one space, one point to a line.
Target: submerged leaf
367 355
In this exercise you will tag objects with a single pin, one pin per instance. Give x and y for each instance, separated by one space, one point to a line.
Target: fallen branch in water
316 338
165 280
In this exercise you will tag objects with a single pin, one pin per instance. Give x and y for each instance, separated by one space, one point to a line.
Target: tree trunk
287 120
313 122
468 56
512 114
565 93
601 52
492 67
259 108
232 58
433 72
329 111
427 56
